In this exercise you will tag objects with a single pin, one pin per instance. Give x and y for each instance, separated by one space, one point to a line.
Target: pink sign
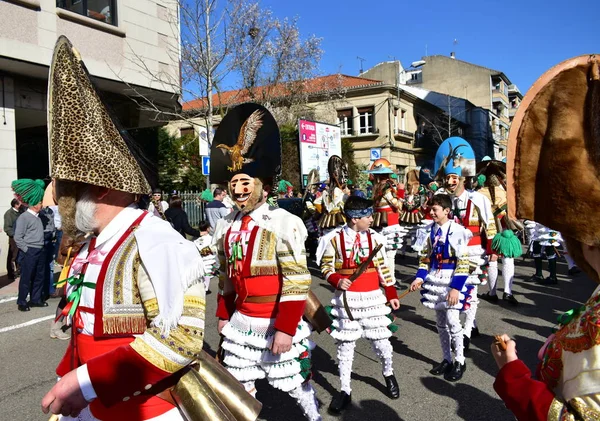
308 131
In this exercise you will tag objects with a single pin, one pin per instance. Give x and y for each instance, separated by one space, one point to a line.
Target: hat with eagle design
86 143
246 142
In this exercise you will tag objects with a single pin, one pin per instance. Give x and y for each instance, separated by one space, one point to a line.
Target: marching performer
555 134
386 215
264 279
442 275
359 306
543 240
158 206
455 164
505 245
135 287
331 201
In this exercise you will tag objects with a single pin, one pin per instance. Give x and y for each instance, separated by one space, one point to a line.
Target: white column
8 157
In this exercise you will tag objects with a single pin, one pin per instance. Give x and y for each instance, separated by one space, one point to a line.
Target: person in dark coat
179 219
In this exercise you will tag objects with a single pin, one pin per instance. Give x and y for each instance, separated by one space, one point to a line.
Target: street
29 356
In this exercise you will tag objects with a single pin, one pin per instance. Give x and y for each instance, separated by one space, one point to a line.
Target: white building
114 38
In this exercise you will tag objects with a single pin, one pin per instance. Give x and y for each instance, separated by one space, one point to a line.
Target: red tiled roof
312 86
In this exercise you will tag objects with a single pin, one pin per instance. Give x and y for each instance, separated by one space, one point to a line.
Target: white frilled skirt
248 356
370 314
436 287
86 415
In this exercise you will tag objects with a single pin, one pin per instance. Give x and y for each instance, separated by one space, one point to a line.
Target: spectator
29 237
157 206
47 218
216 209
10 217
203 245
179 219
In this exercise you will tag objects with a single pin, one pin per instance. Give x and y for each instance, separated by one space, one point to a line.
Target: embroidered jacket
341 252
569 373
444 252
265 259
140 278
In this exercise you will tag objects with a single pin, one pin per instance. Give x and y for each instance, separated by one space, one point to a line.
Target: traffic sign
375 154
205 165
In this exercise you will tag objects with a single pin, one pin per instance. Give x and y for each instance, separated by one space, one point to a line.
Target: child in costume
340 253
455 165
442 275
543 240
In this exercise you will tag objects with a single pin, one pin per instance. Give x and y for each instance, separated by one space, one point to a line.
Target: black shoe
489 297
475 332
456 372
574 270
42 304
339 403
548 281
441 368
466 342
509 298
23 308
392 387
535 278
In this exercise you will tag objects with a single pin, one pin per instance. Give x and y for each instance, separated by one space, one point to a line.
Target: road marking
29 323
6 300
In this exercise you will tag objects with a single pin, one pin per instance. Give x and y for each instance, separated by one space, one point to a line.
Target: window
344 118
403 120
399 120
186 131
101 10
365 120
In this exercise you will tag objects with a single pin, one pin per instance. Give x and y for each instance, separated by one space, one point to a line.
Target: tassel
507 244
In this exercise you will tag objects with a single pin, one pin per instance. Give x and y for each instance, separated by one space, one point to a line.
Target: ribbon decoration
237 256
77 281
567 316
95 257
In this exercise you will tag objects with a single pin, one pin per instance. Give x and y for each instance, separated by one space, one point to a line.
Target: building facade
486 90
124 44
371 114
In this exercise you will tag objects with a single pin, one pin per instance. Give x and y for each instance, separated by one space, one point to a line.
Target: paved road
28 357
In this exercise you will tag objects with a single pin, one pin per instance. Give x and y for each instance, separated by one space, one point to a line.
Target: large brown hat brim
551 173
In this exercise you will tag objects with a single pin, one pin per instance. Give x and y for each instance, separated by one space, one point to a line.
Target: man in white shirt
157 206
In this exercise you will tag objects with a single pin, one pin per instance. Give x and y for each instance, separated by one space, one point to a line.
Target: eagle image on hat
454 156
246 142
86 144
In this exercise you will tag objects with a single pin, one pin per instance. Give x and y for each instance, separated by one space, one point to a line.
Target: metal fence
193 206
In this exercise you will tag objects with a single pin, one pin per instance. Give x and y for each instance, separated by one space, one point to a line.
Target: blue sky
521 38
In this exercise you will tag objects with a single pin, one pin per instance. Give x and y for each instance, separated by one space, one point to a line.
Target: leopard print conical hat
85 144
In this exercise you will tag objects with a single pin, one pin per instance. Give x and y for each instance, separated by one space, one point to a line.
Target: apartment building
114 38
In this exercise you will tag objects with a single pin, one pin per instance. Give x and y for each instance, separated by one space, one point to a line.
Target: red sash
365 282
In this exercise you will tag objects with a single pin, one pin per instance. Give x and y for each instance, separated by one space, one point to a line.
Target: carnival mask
246 191
453 181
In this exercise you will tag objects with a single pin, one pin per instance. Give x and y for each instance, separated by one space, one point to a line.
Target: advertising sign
318 141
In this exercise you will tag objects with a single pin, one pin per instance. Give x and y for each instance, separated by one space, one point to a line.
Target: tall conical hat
454 156
381 166
338 171
492 167
313 178
246 142
553 166
85 143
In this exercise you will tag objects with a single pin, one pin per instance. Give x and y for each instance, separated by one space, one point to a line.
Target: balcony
403 135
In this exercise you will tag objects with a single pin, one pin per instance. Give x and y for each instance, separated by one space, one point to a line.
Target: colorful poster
318 141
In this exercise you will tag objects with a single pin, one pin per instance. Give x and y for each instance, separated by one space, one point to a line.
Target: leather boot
392 387
456 372
339 403
441 368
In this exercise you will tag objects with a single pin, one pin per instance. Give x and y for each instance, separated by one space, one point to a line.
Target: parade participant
428 186
340 253
264 280
386 216
455 165
543 240
442 275
412 202
285 189
135 287
310 214
331 202
555 134
157 206
505 245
